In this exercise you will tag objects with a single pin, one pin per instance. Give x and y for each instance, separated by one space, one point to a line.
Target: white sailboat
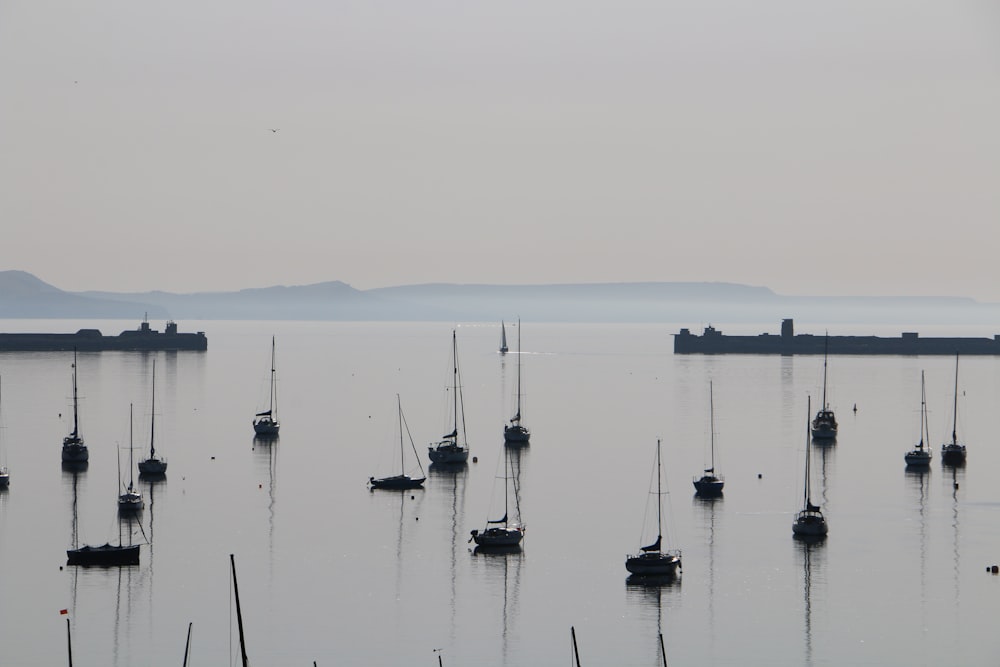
920 456
131 499
953 453
402 480
824 425
809 521
266 423
653 560
4 473
503 532
710 484
74 450
154 465
515 433
503 338
452 448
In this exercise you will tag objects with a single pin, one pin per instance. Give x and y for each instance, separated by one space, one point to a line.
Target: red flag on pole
64 611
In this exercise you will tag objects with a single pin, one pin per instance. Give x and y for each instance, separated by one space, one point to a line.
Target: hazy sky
848 147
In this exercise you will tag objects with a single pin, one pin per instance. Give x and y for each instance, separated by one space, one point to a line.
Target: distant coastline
23 296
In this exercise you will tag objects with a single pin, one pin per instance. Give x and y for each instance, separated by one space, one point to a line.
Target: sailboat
516 434
402 480
266 423
503 338
74 451
153 466
131 500
502 533
824 426
652 560
4 473
450 449
809 522
953 453
710 485
920 456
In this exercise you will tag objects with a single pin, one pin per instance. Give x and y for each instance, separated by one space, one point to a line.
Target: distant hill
22 295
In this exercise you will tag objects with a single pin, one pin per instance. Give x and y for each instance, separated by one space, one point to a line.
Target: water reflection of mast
808 546
824 447
454 473
919 476
268 446
75 535
708 506
954 523
125 573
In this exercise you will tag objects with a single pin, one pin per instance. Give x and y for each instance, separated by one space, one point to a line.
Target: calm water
331 572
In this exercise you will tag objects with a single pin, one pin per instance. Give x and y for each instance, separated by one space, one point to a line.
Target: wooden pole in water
187 645
69 643
663 651
576 653
239 614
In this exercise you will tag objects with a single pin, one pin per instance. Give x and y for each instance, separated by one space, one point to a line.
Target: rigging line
410 436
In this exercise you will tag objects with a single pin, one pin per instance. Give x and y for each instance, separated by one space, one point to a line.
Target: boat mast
711 421
76 421
454 380
131 480
806 486
239 613
518 415
659 499
274 414
152 415
506 470
923 412
826 344
402 464
954 424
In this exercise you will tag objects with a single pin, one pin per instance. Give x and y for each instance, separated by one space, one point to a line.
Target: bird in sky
274 129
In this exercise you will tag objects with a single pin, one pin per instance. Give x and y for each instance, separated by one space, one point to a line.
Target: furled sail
655 546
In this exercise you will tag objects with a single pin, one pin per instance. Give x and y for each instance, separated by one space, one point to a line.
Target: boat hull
448 453
709 486
516 435
106 555
809 524
953 454
654 564
498 537
4 478
266 427
918 458
153 466
130 502
396 482
75 452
